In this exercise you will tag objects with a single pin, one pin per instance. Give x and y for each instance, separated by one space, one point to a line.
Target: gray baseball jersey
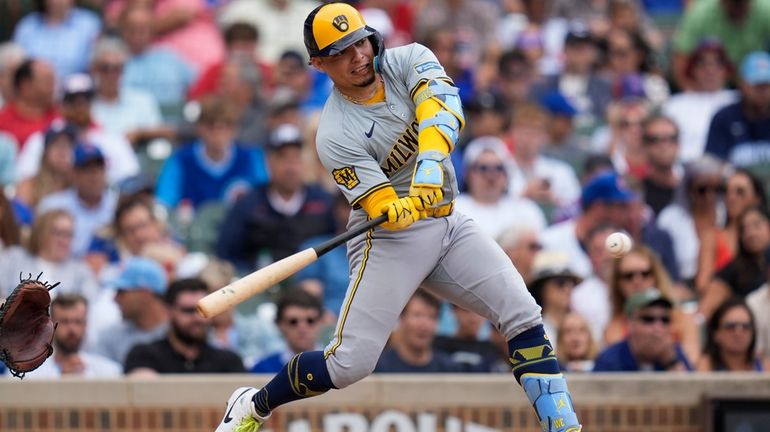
368 147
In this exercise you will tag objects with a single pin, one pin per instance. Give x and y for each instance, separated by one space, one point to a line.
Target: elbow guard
448 117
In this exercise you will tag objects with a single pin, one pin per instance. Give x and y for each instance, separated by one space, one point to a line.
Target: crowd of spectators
152 151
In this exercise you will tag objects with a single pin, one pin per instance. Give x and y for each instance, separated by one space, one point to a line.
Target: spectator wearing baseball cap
89 200
708 73
740 132
564 143
580 57
284 212
77 98
139 290
552 284
598 201
650 344
214 168
56 164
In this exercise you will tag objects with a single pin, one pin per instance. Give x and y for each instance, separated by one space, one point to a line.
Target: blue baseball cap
609 188
141 273
755 68
557 104
86 153
57 129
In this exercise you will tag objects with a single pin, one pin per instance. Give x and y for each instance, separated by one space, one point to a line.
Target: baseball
618 244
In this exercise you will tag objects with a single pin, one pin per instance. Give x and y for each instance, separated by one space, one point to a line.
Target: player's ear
316 63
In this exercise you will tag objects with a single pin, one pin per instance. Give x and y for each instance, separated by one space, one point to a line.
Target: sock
304 376
537 370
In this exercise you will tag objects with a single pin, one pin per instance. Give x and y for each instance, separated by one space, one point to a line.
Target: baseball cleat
240 415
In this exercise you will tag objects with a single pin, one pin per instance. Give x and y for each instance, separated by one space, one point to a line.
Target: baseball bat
254 283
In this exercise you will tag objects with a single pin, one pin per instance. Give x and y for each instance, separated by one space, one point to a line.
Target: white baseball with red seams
618 244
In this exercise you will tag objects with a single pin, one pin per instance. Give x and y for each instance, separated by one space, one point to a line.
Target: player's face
352 67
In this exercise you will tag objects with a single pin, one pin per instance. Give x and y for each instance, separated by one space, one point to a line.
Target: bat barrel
254 283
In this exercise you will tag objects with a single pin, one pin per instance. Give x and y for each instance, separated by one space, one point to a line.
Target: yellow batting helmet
332 27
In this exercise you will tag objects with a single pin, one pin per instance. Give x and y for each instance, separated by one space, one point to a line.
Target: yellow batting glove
401 212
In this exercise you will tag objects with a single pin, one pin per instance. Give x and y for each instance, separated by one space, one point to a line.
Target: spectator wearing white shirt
90 201
130 112
488 166
48 251
121 161
70 312
708 70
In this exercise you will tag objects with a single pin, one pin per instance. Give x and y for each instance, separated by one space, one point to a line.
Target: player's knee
345 375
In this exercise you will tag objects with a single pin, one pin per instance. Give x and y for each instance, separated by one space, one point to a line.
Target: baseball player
385 135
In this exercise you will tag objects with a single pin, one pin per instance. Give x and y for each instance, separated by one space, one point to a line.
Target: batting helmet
332 27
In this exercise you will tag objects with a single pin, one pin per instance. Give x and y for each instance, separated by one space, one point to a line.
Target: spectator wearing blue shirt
298 317
156 70
60 33
650 344
740 133
412 349
213 168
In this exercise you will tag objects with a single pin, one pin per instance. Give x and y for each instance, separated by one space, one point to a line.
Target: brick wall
606 403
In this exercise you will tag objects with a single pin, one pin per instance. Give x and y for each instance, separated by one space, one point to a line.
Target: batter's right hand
401 213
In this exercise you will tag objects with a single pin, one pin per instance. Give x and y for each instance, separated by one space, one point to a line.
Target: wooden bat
254 283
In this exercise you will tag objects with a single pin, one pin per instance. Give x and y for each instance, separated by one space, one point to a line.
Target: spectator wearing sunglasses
693 220
731 340
650 344
298 317
660 141
184 348
635 272
488 167
552 285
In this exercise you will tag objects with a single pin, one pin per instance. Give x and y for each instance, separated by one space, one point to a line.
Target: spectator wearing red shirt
32 107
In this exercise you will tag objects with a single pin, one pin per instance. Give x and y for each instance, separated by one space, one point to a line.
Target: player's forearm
430 139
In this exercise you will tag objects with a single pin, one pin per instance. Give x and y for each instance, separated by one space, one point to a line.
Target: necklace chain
361 101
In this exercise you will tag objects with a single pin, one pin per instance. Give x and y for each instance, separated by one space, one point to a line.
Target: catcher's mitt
26 329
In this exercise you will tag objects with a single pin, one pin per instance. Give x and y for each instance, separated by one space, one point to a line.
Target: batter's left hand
427 182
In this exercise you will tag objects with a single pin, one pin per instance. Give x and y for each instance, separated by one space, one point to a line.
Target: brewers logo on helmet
331 28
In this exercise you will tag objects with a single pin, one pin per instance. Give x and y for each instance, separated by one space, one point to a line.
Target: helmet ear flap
378 45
